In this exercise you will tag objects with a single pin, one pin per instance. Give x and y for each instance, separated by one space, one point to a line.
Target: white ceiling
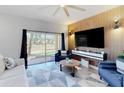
45 12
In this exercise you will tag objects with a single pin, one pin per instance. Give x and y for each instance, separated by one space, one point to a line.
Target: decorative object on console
75 48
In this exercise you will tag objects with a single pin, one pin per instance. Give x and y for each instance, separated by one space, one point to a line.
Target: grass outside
39 50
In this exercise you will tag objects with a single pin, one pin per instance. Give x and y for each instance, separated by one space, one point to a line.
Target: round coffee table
71 64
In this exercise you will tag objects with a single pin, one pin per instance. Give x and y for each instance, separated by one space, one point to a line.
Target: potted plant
121 55
120 62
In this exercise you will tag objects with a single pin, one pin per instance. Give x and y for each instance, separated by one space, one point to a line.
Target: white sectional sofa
15 77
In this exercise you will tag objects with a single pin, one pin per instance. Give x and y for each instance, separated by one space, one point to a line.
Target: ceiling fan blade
66 11
75 7
56 11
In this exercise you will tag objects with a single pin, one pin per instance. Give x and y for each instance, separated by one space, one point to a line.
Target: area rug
49 75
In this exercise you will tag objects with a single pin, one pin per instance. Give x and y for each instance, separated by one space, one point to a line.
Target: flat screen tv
90 38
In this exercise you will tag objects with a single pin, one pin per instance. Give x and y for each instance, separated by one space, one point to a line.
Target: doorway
42 46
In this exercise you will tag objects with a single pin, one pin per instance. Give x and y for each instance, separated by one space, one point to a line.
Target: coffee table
71 64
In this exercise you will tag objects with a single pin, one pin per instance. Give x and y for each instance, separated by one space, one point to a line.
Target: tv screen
90 38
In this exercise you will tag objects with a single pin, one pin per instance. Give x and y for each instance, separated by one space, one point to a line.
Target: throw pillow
2 64
63 53
9 63
120 65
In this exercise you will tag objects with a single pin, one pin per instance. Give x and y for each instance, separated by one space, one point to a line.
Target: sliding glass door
51 45
41 47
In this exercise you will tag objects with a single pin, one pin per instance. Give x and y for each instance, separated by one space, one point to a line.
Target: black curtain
24 46
62 41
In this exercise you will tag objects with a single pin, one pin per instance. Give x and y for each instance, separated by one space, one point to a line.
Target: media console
90 54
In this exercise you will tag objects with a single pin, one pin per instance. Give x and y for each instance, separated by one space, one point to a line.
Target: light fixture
71 32
116 24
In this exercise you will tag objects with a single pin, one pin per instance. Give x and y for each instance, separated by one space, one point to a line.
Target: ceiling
45 12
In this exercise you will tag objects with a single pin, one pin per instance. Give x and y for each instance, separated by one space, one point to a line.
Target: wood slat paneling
114 40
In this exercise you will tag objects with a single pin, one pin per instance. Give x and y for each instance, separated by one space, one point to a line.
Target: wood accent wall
114 39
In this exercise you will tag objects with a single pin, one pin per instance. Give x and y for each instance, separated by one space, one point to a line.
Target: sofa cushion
15 77
9 63
2 64
111 76
18 70
120 65
63 53
107 66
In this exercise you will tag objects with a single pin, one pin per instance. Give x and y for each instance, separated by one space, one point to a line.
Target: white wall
11 32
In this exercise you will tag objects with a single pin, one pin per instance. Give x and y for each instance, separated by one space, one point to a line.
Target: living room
63 45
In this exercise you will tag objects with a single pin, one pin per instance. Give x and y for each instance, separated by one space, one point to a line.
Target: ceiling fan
65 8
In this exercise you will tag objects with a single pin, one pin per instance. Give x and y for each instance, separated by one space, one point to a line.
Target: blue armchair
59 56
108 72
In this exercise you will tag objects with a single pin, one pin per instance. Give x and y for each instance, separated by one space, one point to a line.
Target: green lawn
39 50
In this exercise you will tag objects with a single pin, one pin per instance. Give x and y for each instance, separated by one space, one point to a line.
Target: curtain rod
41 31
